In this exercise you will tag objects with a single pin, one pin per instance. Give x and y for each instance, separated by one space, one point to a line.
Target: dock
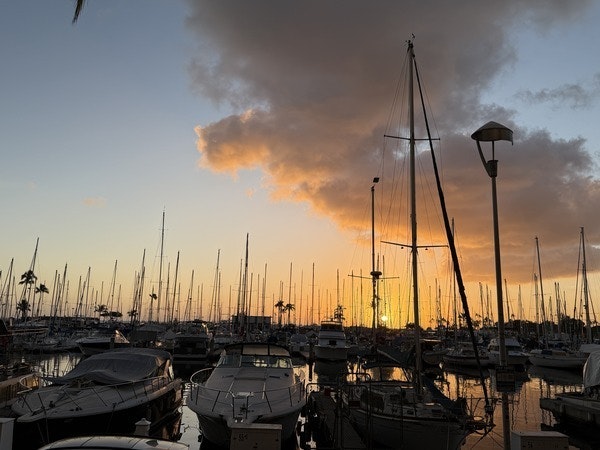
586 414
326 422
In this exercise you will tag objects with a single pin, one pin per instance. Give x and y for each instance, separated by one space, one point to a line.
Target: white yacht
515 354
253 383
332 344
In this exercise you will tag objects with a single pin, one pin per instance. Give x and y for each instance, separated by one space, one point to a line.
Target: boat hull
162 412
397 432
253 383
331 353
569 362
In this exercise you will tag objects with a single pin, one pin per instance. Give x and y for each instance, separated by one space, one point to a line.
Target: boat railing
105 393
255 401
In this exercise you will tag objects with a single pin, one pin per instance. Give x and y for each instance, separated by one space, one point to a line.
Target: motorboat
463 355
105 393
332 344
580 408
299 345
192 343
515 354
252 383
101 341
557 358
115 443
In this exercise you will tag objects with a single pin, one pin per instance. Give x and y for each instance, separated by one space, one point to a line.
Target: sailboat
555 353
412 413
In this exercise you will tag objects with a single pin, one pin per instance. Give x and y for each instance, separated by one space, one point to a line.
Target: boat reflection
330 371
557 377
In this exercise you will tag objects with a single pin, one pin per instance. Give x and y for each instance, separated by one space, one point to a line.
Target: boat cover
116 366
591 370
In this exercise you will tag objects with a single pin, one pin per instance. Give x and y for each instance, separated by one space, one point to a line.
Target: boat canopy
116 366
591 371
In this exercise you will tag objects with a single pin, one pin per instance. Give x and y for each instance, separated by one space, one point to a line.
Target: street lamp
493 132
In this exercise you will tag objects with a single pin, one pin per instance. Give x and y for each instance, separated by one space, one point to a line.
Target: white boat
410 413
101 341
192 343
515 354
221 339
253 383
115 443
332 344
105 393
463 355
557 358
580 408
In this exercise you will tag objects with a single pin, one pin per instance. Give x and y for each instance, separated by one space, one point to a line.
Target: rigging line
450 236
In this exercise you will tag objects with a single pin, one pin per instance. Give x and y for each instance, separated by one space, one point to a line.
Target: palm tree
23 307
28 278
153 297
338 314
102 310
132 315
289 308
78 9
280 305
41 290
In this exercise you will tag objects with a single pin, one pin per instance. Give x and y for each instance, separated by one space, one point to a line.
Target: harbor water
525 413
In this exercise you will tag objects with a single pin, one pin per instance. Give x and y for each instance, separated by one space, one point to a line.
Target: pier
327 424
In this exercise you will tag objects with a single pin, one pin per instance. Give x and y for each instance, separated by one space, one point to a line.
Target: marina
409 348
532 385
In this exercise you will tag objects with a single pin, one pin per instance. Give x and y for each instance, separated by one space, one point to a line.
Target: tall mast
586 304
413 214
213 312
160 266
375 274
542 306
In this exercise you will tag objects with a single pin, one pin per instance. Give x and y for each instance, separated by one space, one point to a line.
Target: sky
263 122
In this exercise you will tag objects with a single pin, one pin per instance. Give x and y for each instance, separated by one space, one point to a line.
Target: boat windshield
237 360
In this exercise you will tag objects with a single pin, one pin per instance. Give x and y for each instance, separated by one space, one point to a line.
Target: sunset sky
266 119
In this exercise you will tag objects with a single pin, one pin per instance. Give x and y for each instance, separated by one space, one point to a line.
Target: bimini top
121 365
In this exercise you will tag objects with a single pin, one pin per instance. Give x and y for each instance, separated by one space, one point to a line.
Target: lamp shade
493 131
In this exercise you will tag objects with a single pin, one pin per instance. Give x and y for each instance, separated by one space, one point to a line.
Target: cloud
94 202
571 95
314 83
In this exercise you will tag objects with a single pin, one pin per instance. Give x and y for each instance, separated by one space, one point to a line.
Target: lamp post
493 132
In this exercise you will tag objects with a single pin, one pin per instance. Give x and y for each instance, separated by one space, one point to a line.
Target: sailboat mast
413 214
588 322
160 266
375 274
546 332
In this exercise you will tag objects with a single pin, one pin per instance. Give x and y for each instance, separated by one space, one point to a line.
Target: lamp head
492 132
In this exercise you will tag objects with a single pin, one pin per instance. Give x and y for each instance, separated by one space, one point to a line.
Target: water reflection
525 413
330 372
